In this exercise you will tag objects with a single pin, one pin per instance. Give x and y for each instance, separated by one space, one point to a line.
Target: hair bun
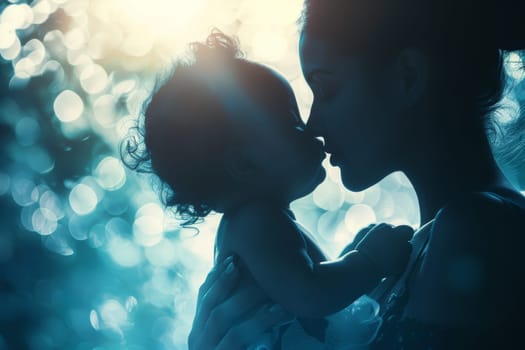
506 20
487 23
216 46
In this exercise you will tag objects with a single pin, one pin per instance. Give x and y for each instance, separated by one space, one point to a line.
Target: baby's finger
406 232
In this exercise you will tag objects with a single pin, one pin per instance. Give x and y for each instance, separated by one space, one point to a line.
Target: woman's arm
274 251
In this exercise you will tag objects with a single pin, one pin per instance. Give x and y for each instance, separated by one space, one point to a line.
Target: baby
225 135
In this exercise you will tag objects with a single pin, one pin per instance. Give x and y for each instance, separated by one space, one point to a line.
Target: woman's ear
240 167
412 70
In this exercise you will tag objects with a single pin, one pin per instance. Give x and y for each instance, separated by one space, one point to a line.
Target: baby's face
287 157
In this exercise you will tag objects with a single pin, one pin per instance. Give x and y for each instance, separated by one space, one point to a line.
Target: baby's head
223 130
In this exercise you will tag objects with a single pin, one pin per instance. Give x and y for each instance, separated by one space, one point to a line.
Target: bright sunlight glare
163 28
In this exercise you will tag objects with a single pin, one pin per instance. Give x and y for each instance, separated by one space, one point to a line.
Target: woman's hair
468 39
184 132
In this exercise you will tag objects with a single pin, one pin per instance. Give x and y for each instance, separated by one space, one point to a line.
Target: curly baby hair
184 132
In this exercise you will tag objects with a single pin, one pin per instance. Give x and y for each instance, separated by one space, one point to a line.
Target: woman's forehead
315 53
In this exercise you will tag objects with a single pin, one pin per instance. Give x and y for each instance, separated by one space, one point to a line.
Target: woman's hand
231 316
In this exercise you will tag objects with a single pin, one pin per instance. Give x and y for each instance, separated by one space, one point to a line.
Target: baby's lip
333 160
317 153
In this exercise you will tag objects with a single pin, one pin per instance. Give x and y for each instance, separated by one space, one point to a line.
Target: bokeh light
359 216
113 315
68 106
124 252
110 173
147 230
7 36
93 78
91 258
82 199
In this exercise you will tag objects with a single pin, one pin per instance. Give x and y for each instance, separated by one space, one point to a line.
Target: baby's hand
387 247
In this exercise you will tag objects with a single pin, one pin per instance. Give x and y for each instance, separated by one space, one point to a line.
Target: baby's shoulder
255 221
257 213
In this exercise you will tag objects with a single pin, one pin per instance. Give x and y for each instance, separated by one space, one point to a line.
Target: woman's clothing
399 331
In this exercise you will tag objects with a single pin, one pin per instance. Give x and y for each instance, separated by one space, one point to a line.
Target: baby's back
247 283
225 247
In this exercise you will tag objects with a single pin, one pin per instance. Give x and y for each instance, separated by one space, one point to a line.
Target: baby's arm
274 251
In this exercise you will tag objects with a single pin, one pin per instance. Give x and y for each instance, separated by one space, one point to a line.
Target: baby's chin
311 185
321 176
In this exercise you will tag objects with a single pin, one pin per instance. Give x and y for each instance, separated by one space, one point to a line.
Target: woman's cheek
340 111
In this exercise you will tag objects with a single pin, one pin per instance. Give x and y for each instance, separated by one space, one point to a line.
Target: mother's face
355 111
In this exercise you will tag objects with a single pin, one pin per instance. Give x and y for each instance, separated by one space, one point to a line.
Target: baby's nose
313 129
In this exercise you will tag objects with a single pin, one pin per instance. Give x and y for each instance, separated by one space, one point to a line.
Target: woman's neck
449 164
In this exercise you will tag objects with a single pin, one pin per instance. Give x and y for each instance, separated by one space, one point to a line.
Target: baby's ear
240 167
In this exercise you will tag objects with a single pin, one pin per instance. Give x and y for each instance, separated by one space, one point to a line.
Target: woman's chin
353 182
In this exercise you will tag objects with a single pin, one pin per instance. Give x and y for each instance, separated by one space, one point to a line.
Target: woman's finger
219 285
213 275
252 331
224 316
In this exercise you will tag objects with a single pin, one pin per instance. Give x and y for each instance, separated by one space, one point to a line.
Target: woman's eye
322 94
322 91
323 83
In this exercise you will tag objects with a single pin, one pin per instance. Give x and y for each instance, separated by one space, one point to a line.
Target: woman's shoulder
467 288
487 226
476 213
498 199
482 224
471 273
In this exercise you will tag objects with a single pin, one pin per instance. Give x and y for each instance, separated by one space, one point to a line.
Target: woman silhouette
406 85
